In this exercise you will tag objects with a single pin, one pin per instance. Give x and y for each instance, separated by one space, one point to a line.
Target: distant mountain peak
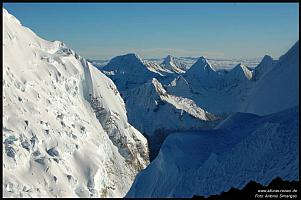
169 57
168 60
203 63
133 55
267 57
240 71
170 63
126 62
266 64
202 66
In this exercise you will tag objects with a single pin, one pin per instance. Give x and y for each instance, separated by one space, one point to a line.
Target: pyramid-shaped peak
168 59
265 60
240 70
293 50
203 63
202 59
132 56
172 64
267 57
239 66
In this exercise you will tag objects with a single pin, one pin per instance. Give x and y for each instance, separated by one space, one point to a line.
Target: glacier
65 130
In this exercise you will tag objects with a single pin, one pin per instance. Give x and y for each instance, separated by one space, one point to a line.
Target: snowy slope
65 130
151 108
245 147
172 64
154 67
216 63
222 100
156 113
278 89
270 87
129 71
202 75
266 64
239 73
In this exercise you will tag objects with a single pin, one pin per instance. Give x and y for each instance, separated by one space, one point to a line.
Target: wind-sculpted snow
65 130
245 147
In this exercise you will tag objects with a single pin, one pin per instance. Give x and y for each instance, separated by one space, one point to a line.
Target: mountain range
133 127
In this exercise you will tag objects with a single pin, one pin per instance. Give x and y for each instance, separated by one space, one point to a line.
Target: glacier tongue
65 128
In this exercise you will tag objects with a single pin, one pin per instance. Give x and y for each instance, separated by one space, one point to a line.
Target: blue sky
217 30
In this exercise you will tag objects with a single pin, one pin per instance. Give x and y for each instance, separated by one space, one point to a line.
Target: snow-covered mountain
202 75
216 63
222 98
173 64
65 130
270 87
150 108
244 147
239 73
128 71
154 67
278 89
241 148
156 113
266 64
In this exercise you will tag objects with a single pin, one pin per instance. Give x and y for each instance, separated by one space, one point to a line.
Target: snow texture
65 130
244 147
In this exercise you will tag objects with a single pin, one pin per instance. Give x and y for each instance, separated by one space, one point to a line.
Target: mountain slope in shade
65 130
154 109
266 64
156 113
203 163
172 64
239 73
156 68
128 71
202 75
271 87
279 88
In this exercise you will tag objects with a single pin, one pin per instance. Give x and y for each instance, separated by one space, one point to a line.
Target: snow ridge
259 149
170 63
65 128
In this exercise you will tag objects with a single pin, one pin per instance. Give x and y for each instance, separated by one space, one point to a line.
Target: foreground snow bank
244 147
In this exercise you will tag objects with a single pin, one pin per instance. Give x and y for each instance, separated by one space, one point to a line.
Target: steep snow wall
65 130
